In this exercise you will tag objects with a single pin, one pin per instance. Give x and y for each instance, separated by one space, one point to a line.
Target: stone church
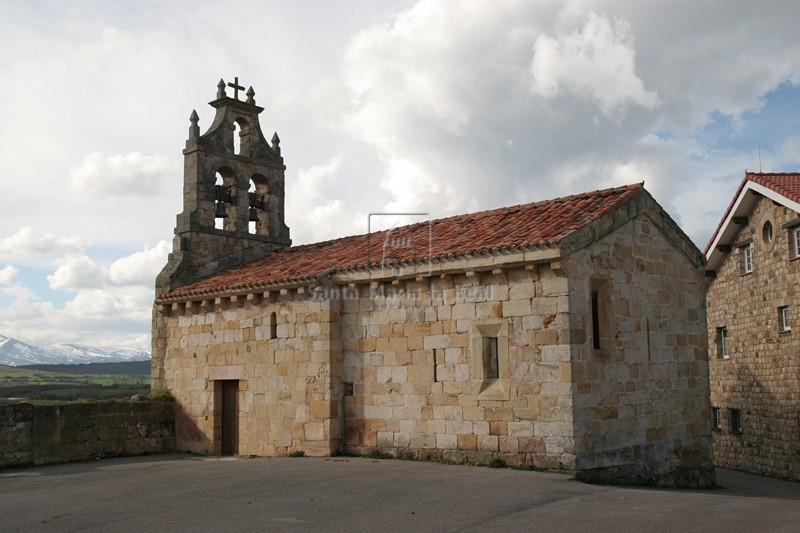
564 334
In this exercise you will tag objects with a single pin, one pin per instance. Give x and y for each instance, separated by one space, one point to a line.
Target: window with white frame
722 343
795 233
716 418
746 258
783 319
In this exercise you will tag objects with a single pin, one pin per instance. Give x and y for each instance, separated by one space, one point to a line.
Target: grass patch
378 454
497 463
297 453
161 396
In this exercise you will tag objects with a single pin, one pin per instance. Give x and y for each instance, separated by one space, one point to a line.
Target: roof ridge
560 199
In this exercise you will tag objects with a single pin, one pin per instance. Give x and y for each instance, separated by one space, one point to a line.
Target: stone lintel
222 372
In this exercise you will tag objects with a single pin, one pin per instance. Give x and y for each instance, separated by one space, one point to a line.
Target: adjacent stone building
565 334
753 302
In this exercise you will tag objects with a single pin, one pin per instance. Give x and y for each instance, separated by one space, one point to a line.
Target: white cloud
111 305
596 61
7 274
130 174
323 217
75 273
113 44
140 268
10 288
94 316
25 244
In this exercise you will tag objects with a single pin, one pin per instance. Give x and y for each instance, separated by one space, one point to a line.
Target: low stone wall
49 434
16 423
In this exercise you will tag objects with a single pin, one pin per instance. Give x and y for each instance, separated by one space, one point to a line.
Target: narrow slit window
273 326
491 369
489 357
595 320
237 139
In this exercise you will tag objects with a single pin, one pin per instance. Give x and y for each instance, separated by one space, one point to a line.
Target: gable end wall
641 402
761 377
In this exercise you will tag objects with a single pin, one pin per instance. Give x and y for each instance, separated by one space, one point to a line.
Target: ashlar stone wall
761 376
641 398
288 399
409 351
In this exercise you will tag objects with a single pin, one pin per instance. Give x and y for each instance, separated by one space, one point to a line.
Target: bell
221 193
220 211
253 214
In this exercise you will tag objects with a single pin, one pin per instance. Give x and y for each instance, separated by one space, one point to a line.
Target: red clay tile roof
785 184
536 225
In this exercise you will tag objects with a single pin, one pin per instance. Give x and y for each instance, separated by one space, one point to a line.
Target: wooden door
230 417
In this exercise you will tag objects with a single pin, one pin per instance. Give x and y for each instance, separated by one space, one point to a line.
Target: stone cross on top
236 88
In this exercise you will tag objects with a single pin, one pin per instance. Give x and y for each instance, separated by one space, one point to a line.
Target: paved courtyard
178 492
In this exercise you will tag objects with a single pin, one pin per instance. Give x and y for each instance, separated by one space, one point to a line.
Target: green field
73 384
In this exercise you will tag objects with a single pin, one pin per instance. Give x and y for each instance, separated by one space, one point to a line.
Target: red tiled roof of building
786 184
535 225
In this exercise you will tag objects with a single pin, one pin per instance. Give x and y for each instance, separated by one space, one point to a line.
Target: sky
441 107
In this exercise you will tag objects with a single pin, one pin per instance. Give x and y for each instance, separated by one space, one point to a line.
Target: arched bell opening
241 137
252 212
258 195
224 198
237 139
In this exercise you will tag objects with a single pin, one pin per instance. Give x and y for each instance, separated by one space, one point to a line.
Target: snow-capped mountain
16 353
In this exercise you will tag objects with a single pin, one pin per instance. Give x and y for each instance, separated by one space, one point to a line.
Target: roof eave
742 206
439 266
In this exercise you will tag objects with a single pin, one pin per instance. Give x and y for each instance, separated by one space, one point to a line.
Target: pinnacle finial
221 89
194 129
250 95
276 144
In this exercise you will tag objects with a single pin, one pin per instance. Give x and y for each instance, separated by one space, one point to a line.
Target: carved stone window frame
490 388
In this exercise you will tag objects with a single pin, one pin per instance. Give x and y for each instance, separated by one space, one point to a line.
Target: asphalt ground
178 492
